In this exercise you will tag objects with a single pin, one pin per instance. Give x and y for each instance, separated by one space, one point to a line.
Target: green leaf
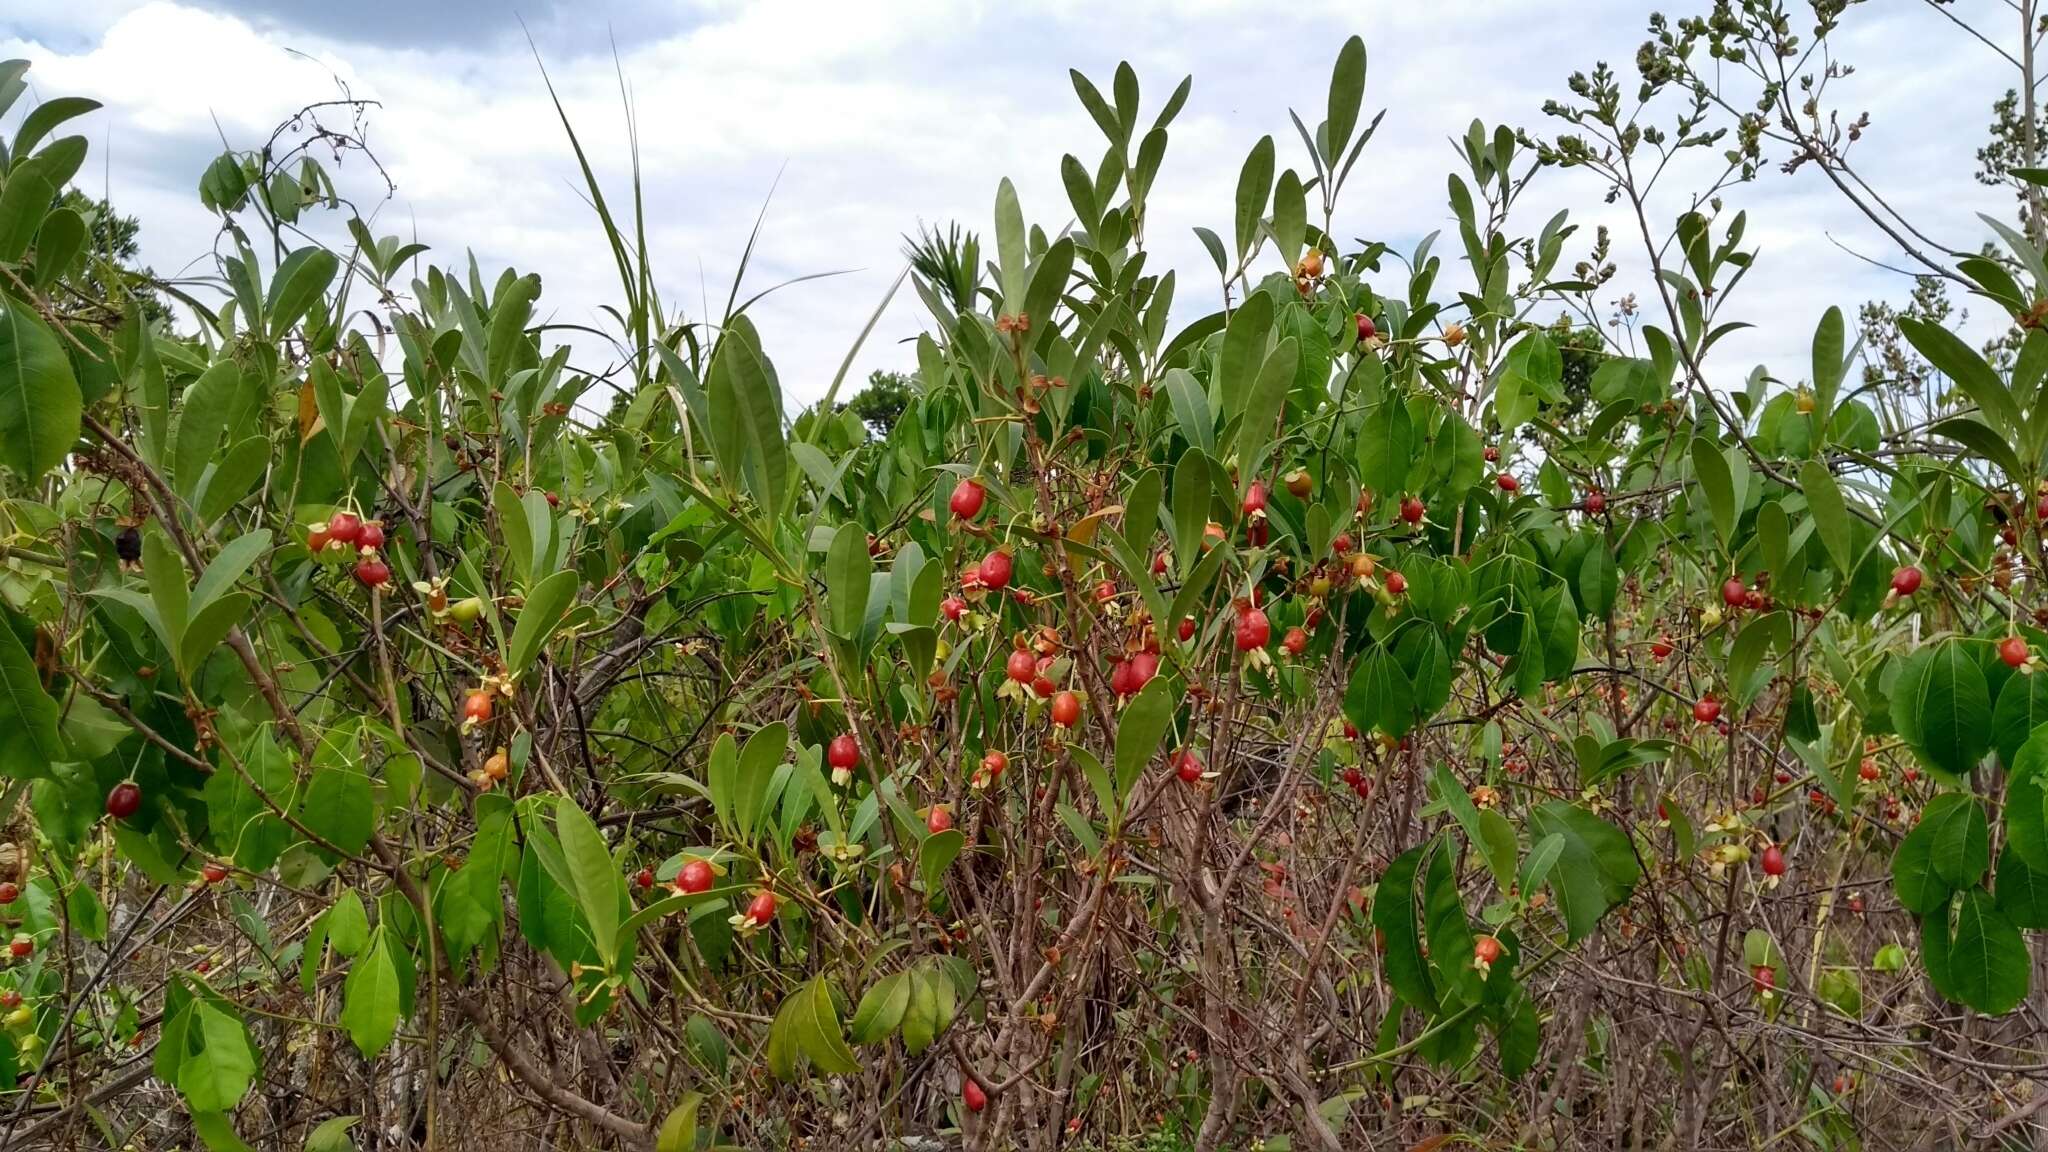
301 279
1393 914
818 1033
28 717
88 915
1919 888
1942 707
1141 732
1254 184
1830 514
679 1130
881 1009
1263 407
331 1135
939 851
1711 469
1347 95
593 877
348 925
1988 962
40 405
1013 261
228 566
755 770
207 628
1387 445
45 117
370 998
1961 846
2022 891
1596 866
547 605
1968 370
217 1071
848 573
217 1132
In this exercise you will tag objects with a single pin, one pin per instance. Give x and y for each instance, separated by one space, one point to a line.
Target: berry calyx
1066 709
967 499
1906 580
694 877
844 751
1706 710
124 800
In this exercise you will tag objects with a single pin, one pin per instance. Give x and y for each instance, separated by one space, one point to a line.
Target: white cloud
880 116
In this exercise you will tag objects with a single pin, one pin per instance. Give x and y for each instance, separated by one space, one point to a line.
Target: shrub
1365 713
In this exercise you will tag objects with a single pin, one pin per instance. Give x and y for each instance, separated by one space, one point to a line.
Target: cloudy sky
876 116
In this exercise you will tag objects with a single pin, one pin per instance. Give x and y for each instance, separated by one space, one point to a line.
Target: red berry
345 527
317 539
2013 651
1353 777
968 497
1396 583
995 570
1661 648
1492 454
1186 630
21 947
1298 484
1255 498
1706 710
1105 591
1295 642
1021 666
994 764
1486 949
477 706
1159 563
9 892
1596 502
762 908
124 800
1733 593
1366 330
1773 861
1253 630
696 876
844 750
10 999
1906 580
645 879
1764 977
1341 545
1868 770
938 819
372 573
2041 507
1120 679
1507 482
1066 709
1144 666
1411 510
972 1096
1187 766
953 607
371 535
213 873
1042 686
